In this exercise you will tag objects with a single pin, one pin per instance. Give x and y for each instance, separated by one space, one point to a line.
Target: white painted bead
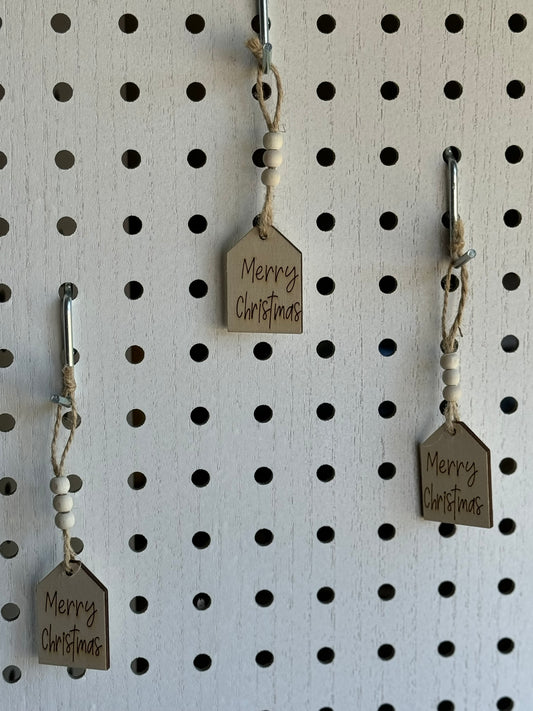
449 361
66 520
273 140
270 177
452 393
272 158
59 485
63 503
451 377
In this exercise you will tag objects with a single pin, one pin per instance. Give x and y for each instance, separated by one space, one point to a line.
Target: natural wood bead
452 393
270 177
272 158
64 521
63 503
273 139
451 377
449 361
59 485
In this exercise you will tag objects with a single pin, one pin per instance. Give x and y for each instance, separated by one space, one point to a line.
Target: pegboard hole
325 411
264 658
325 655
325 349
507 526
454 282
10 612
388 220
201 601
386 652
196 158
136 481
445 219
389 90
446 705
267 91
6 358
199 352
508 465
262 350
4 227
198 288
387 409
62 92
66 226
255 24
197 224
263 413
200 415
200 478
446 648
131 159
195 24
325 157
264 598
389 156
387 347
196 91
454 23
201 540
447 530
386 531
388 284
506 586
510 343
257 158
326 24
514 154
509 405
135 418
139 666
134 290
505 704
76 672
325 222
390 24
511 281
517 22
60 23
386 707
325 595
325 473
515 89
64 160
128 23
77 545
264 537
138 543
505 645
3 160
8 486
446 588
512 218
325 91
134 354
132 225
68 420
263 475
453 90
8 549
325 286
75 483
11 674
325 534
5 293
386 591
387 470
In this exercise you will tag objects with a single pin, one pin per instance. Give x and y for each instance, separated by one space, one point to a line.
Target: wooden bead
449 361
64 521
273 140
451 377
59 485
452 393
270 177
63 503
272 158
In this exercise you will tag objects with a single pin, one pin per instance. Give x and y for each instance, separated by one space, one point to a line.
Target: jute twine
451 413
69 389
256 48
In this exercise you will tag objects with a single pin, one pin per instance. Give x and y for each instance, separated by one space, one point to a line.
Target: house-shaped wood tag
72 619
264 284
455 473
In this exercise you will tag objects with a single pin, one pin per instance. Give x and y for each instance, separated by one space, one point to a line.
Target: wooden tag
72 619
264 284
455 471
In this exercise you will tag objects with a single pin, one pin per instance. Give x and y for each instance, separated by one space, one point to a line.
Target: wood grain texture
163 58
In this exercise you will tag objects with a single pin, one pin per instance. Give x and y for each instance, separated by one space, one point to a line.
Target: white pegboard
97 126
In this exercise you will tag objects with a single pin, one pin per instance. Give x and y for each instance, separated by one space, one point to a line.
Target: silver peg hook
68 342
453 210
262 7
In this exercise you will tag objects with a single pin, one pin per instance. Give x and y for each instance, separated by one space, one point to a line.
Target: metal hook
68 343
452 206
262 7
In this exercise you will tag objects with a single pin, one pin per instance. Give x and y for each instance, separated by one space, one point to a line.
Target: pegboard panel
250 501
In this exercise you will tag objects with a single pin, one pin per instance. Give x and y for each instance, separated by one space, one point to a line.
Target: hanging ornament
454 462
72 609
264 270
